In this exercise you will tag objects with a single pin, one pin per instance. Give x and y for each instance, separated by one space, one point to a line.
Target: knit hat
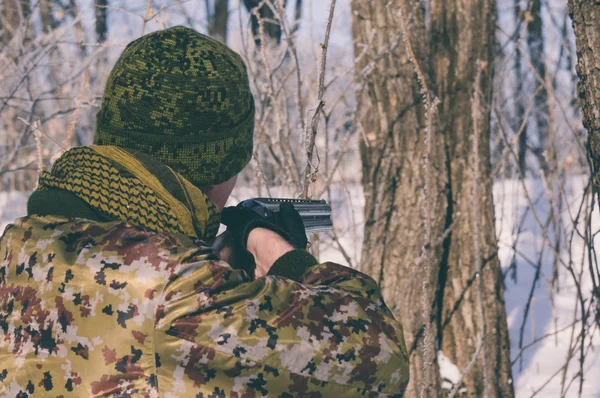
183 98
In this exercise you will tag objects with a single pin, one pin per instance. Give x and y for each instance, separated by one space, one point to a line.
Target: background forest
448 137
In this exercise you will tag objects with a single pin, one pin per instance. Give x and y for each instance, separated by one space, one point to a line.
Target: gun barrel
317 226
316 214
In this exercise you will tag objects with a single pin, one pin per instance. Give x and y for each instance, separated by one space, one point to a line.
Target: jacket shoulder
78 303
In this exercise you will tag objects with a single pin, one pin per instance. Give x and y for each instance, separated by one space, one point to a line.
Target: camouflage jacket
92 308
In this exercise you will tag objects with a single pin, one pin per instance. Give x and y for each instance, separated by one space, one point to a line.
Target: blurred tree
430 239
73 10
13 14
101 20
519 94
271 23
297 15
272 27
217 20
532 18
535 43
586 24
48 20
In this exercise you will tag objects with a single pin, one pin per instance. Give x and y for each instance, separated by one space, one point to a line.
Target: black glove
288 219
240 221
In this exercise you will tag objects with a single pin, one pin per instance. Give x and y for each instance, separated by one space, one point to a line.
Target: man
109 286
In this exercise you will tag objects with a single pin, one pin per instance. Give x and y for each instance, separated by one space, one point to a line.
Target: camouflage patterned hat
183 98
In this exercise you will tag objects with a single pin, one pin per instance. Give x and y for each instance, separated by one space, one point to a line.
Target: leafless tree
48 20
586 23
13 15
101 20
520 17
416 108
217 19
429 235
535 44
261 9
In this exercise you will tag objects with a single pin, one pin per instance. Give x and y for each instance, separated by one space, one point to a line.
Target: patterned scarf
133 187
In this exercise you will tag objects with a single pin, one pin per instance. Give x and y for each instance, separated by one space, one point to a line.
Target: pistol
315 214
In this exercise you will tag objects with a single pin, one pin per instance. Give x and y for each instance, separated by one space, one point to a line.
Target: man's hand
288 219
266 246
241 223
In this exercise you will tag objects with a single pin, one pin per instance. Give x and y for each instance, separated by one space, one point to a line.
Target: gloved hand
288 219
246 216
240 220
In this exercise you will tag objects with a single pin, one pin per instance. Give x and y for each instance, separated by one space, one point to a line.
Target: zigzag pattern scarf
135 188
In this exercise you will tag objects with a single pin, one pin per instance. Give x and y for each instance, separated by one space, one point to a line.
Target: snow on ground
540 361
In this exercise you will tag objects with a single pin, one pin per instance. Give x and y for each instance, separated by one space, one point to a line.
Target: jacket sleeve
327 332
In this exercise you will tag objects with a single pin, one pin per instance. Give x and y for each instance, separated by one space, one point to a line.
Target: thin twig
310 170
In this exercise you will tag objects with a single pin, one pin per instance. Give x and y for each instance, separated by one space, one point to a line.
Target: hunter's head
183 98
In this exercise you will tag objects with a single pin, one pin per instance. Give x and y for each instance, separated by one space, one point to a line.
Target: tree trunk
586 24
272 27
535 42
14 13
519 99
217 21
393 176
48 21
73 10
297 15
101 23
457 46
462 38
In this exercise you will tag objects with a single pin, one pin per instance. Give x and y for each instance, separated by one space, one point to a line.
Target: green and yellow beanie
183 98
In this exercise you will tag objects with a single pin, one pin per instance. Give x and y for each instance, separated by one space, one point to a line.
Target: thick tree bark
393 177
462 39
585 15
217 20
457 46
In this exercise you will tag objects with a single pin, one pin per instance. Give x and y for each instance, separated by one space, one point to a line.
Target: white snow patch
449 372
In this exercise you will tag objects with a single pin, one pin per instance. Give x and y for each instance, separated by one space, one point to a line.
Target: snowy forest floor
546 332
